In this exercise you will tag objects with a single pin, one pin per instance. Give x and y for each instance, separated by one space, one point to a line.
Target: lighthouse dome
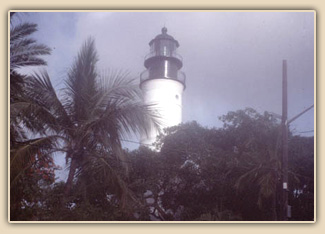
164 36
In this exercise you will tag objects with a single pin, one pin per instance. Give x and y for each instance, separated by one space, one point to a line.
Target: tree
255 138
146 173
187 179
89 121
301 177
28 158
199 183
24 52
230 173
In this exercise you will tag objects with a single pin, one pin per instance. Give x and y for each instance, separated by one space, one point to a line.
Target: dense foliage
227 174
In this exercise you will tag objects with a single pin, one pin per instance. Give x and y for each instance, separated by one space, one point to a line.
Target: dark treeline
199 174
227 174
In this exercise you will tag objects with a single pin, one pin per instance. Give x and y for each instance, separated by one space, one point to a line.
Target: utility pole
284 161
283 213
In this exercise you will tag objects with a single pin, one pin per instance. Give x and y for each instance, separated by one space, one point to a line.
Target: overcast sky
232 60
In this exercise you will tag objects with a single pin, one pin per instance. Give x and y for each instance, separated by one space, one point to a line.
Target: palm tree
91 118
24 51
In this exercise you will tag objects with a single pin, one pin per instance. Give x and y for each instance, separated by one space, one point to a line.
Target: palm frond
25 51
21 31
81 83
17 132
99 167
123 100
33 117
53 113
246 178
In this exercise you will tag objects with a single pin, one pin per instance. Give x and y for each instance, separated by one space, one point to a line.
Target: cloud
232 59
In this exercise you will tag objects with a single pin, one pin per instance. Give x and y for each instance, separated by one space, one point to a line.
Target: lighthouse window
165 51
176 96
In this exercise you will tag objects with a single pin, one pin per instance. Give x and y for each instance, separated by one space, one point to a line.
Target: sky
232 60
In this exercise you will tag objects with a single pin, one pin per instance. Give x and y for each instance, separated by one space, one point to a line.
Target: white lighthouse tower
163 83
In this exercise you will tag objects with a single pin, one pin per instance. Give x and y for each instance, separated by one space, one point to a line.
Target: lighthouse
162 84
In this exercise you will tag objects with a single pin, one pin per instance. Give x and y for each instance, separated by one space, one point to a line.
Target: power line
307 131
135 142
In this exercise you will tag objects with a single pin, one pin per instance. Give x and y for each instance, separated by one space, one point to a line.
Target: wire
307 131
135 142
